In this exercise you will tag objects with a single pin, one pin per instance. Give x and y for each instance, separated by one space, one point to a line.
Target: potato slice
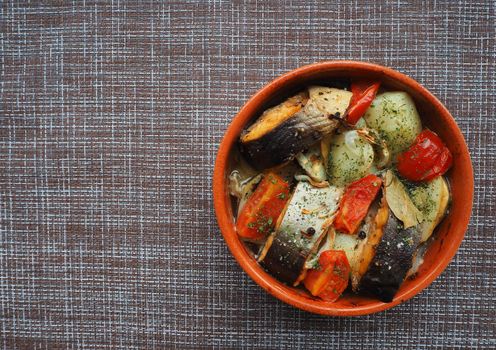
432 200
330 100
394 116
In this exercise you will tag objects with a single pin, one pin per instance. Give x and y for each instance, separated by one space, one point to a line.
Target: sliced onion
350 140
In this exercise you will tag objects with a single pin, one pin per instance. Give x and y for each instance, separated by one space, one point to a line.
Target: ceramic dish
434 115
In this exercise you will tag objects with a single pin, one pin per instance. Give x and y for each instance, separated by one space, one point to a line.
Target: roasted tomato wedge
363 94
260 213
426 159
356 202
330 278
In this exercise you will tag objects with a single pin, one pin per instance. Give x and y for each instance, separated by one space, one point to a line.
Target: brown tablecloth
110 118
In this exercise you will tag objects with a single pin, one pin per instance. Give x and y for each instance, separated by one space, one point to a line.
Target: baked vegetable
426 159
363 94
350 158
400 202
330 278
394 116
431 199
299 231
258 216
382 155
330 101
356 202
293 126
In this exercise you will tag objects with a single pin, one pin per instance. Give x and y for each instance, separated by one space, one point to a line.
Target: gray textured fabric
110 118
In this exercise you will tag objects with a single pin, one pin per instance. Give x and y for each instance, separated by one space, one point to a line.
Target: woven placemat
110 117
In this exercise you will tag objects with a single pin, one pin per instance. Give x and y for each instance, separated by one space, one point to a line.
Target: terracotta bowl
434 115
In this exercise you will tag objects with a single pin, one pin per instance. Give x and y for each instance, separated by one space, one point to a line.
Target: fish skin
284 259
392 261
289 138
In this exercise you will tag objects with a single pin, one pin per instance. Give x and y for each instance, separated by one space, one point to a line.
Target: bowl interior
435 116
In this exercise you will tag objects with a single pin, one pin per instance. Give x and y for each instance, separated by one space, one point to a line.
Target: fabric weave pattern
110 117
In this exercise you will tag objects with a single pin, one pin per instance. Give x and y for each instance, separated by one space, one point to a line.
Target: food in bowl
339 189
